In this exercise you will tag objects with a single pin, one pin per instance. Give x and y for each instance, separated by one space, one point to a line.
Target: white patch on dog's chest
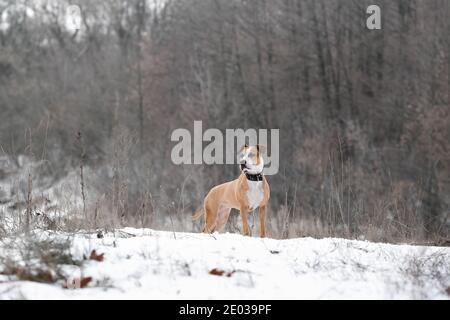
255 194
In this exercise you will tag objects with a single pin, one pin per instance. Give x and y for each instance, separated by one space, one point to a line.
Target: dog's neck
254 177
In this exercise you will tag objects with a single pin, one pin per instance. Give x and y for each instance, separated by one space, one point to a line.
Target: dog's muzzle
243 166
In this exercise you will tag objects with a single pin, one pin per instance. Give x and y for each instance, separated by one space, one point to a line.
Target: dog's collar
254 177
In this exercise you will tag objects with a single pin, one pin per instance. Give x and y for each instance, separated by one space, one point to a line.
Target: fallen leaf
217 272
84 281
96 257
77 283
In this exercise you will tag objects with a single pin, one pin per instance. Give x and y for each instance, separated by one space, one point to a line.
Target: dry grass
423 270
41 260
109 197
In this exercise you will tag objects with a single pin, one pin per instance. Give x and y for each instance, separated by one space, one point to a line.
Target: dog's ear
261 148
245 146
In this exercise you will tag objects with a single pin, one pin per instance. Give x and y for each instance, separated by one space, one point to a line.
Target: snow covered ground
148 264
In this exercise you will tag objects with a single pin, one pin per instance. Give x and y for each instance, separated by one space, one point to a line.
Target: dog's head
251 159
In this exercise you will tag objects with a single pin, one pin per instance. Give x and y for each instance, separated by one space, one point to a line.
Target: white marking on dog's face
251 159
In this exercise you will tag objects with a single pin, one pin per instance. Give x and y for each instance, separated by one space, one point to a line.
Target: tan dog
246 193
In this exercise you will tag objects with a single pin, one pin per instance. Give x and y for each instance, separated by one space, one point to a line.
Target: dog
248 192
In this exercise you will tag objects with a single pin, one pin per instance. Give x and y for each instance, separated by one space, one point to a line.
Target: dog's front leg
244 217
262 221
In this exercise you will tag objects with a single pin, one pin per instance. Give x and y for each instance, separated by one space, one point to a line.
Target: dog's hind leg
210 212
222 217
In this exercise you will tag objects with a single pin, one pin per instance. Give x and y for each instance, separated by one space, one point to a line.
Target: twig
83 195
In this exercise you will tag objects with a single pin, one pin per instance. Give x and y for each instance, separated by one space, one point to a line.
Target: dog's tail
197 215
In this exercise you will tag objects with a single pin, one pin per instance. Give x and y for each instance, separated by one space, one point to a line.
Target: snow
149 264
